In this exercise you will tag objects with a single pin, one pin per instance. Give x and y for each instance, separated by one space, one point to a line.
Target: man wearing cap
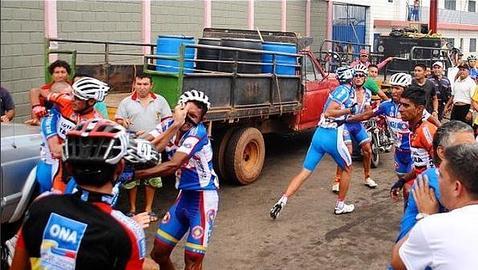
442 87
363 59
461 94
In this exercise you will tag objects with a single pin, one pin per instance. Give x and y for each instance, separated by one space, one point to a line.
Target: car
20 152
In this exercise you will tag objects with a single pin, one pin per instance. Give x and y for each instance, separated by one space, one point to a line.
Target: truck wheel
219 153
375 156
244 155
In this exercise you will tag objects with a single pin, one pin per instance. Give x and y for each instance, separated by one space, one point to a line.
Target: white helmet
194 95
401 79
361 68
141 154
90 88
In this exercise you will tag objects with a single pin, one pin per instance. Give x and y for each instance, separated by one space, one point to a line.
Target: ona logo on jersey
63 235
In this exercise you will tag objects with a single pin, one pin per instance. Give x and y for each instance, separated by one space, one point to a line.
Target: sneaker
346 208
11 244
370 183
336 187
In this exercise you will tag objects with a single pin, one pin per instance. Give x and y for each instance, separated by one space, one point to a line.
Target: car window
310 73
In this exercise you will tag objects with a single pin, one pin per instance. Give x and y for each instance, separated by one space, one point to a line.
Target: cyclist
399 127
449 134
412 104
72 109
81 230
185 139
473 67
328 138
356 130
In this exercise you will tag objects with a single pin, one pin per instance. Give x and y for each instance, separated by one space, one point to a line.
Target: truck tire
244 156
219 147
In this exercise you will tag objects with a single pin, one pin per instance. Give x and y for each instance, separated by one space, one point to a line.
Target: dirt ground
307 235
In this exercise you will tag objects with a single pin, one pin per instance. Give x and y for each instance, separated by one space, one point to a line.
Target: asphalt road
307 235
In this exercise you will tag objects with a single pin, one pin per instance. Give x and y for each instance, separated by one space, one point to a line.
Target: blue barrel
170 46
285 64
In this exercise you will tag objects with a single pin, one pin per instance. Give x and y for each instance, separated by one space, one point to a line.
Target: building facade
457 20
25 25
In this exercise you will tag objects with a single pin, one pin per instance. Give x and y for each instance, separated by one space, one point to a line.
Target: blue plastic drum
285 64
170 46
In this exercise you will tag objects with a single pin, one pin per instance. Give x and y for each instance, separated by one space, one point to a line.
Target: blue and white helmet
345 74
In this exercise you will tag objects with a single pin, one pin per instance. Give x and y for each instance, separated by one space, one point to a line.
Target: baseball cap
463 65
363 52
438 63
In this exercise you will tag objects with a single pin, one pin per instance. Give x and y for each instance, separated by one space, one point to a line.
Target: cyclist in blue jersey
51 148
449 134
185 139
356 130
400 130
328 138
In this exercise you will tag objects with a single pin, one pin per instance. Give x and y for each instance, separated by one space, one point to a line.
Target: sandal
153 217
131 214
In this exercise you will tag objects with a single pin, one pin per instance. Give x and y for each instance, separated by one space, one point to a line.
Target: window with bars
472 44
450 4
471 6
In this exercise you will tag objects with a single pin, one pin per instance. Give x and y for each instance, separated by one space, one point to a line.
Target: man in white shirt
140 113
449 240
461 95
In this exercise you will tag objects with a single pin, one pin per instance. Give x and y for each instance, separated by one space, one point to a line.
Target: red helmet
96 140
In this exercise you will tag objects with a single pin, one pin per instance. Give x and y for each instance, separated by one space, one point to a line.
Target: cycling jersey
81 231
343 95
411 211
329 136
66 120
196 207
197 173
421 146
357 129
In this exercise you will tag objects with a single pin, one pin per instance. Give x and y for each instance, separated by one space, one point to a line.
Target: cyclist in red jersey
82 230
73 109
412 104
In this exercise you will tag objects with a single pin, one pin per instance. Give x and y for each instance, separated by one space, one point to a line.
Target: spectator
428 87
445 240
461 94
7 106
59 72
373 84
364 60
140 113
442 87
474 107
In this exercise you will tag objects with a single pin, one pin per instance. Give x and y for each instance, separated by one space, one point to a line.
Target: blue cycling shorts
194 211
357 131
46 172
331 141
403 161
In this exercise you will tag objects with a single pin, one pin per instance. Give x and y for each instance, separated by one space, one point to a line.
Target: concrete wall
21 51
188 18
318 26
22 31
229 14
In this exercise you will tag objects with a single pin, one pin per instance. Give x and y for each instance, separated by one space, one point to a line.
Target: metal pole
432 20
